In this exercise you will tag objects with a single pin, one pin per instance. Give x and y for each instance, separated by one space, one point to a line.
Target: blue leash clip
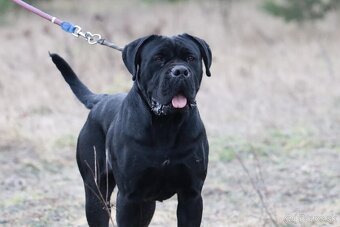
68 27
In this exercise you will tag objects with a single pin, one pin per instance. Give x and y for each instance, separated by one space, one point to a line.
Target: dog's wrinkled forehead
150 44
175 46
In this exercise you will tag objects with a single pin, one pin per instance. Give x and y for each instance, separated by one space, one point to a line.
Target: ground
271 109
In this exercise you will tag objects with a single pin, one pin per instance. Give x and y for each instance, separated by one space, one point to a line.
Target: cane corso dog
150 142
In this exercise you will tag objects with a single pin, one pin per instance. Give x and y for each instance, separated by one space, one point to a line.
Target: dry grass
274 88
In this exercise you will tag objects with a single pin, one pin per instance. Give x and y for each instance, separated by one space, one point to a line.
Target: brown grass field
271 109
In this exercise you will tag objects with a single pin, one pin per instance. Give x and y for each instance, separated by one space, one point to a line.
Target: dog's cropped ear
131 54
205 51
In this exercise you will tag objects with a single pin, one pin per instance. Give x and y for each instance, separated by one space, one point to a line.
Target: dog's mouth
178 103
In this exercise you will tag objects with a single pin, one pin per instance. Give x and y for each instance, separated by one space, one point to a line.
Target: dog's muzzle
180 102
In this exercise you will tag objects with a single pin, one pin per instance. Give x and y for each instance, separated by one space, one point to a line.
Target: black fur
154 150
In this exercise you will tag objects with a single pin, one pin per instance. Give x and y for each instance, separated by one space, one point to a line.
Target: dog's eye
190 58
159 58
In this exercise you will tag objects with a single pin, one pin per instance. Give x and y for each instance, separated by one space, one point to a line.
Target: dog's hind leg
96 173
98 210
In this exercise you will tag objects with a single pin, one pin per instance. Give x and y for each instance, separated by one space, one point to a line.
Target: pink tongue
179 101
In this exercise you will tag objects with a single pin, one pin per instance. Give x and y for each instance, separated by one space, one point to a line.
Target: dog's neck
136 87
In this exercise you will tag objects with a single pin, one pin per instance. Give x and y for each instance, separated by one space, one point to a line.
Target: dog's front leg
189 209
134 214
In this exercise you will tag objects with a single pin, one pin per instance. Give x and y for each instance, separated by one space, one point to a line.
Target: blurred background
271 107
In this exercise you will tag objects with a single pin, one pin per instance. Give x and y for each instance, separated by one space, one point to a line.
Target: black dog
151 142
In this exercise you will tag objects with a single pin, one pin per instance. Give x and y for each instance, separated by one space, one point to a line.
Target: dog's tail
87 97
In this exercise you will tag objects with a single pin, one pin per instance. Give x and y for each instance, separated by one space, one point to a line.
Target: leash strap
75 30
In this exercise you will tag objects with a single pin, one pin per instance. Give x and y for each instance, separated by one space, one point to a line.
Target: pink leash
69 27
40 13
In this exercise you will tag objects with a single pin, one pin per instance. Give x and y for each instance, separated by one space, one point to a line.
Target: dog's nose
180 70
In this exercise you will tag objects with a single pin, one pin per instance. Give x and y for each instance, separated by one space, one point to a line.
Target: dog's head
168 70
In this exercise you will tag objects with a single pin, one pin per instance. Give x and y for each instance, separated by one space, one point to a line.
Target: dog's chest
162 182
159 176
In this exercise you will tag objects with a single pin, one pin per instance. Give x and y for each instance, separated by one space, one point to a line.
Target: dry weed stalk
255 186
99 195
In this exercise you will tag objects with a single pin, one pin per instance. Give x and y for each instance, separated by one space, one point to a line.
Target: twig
259 169
257 190
107 174
95 164
260 175
99 195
